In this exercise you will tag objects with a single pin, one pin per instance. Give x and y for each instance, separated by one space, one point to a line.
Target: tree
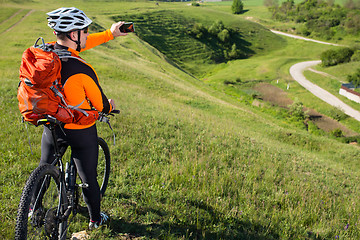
237 7
224 35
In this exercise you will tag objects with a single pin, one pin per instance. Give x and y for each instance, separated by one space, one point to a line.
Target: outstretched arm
96 39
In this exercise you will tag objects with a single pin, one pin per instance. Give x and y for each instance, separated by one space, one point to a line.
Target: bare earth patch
273 94
277 96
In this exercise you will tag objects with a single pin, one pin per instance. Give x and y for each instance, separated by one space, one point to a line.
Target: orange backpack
40 92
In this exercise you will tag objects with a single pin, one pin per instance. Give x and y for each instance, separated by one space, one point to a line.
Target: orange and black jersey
80 81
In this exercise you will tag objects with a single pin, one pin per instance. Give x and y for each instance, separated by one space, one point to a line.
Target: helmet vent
68 19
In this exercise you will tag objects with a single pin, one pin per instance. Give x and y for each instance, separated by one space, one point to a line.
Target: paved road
296 72
303 38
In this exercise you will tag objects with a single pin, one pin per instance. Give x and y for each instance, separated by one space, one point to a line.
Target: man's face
83 37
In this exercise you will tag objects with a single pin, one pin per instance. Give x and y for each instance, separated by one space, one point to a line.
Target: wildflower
346 227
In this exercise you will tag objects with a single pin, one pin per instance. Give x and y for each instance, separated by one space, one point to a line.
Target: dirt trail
22 19
12 16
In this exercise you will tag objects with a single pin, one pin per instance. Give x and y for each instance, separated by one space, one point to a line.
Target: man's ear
73 35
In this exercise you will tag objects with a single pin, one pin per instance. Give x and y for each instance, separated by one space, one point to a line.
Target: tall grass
190 162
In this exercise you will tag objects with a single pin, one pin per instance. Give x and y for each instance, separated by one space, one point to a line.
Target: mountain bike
52 192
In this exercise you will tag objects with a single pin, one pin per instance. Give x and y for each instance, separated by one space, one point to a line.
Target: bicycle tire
103 168
44 185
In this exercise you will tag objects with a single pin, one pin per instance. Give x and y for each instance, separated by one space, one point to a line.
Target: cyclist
82 89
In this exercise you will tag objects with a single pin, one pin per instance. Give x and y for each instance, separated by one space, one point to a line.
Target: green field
193 158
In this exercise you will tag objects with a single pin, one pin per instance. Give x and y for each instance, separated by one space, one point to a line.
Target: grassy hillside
173 32
190 162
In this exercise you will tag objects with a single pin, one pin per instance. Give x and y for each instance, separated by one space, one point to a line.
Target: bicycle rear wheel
103 168
42 206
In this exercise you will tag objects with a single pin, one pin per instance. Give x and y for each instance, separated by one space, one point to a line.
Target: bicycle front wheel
103 168
42 206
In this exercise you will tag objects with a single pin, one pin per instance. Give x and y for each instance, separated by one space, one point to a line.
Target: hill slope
189 162
198 44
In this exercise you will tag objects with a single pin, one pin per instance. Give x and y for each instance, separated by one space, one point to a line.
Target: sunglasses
86 30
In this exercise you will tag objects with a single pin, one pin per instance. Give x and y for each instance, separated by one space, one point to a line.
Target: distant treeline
322 19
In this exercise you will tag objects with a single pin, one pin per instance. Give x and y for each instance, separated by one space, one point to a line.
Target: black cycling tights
84 150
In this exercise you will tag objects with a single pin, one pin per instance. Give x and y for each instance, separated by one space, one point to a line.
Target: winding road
296 71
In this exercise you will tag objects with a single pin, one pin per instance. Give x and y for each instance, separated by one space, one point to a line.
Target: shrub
333 57
328 58
337 114
352 22
313 129
234 53
198 30
345 54
337 133
354 78
224 35
296 111
356 56
237 7
352 139
216 28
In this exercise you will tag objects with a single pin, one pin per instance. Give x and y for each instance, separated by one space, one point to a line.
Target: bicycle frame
59 152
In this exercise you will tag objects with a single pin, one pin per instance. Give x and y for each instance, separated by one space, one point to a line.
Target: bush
237 7
296 111
337 114
198 30
333 57
356 56
224 35
354 78
352 139
216 28
313 129
345 54
222 39
337 133
234 53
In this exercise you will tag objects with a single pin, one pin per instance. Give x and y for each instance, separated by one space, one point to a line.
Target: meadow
193 158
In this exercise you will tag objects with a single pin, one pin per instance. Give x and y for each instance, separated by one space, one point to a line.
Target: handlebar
104 117
48 119
115 111
51 121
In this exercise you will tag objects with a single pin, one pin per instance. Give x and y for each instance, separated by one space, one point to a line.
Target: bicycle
51 193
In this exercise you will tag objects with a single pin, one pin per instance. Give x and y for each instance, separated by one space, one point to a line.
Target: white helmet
67 19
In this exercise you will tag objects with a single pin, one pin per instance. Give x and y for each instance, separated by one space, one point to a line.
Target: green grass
169 32
190 161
